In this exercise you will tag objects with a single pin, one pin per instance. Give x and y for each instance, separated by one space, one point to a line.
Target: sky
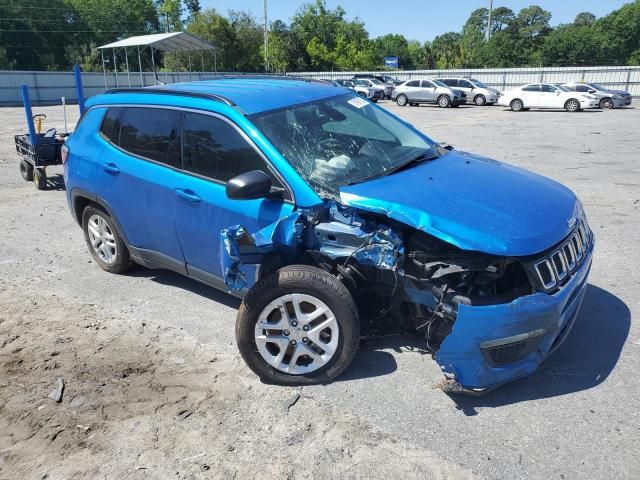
418 19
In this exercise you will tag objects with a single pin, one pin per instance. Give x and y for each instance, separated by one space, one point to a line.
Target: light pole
266 39
489 20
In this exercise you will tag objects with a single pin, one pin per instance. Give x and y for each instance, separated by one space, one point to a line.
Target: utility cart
36 156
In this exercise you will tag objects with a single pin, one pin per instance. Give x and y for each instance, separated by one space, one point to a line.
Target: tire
119 260
606 104
40 178
26 170
572 105
297 283
480 100
402 100
516 105
444 101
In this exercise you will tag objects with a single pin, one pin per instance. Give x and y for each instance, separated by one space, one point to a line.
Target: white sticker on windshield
358 102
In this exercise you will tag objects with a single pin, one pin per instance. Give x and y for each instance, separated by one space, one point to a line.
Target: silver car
385 88
477 92
362 88
414 92
606 98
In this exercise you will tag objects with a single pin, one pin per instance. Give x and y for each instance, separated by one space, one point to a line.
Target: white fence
49 87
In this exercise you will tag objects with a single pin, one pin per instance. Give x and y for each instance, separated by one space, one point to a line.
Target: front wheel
298 326
572 105
480 100
40 178
444 101
402 100
606 103
516 105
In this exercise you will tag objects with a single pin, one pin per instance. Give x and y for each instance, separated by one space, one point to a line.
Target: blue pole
77 73
27 111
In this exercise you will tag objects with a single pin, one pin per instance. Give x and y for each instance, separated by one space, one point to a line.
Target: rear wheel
40 178
105 243
26 170
298 326
444 101
606 103
572 105
402 100
516 105
480 100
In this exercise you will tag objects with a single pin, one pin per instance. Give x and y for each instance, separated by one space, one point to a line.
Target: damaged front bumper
477 356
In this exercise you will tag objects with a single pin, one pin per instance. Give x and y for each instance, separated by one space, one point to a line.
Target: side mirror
591 91
249 186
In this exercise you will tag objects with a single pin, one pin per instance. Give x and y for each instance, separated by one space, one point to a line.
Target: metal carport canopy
167 42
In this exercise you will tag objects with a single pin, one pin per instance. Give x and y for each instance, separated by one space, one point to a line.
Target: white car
546 95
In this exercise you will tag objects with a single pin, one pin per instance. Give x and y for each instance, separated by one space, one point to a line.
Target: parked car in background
345 83
546 95
476 91
383 78
606 98
377 84
363 88
414 92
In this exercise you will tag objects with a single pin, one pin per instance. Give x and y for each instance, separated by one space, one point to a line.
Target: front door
214 151
428 91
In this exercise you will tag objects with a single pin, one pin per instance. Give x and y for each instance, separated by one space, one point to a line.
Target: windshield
595 86
439 83
362 83
341 141
563 88
478 83
376 81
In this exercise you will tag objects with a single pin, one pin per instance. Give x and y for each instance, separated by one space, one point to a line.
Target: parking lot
155 386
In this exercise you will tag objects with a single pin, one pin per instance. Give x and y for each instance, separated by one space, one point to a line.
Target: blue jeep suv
328 215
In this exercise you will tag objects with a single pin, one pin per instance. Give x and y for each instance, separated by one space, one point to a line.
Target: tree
573 45
249 38
170 15
446 49
585 19
621 30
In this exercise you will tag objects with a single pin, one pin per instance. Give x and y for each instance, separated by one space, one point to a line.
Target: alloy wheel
297 334
102 239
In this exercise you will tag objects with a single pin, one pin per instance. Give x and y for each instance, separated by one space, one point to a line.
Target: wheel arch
81 199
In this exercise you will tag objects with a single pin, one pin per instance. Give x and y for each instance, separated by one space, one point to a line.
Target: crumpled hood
474 203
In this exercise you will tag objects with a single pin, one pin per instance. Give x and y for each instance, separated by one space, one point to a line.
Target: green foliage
317 38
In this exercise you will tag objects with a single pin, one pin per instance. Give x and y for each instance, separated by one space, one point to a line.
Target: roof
167 42
251 95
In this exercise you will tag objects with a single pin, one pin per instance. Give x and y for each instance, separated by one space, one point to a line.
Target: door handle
111 168
187 195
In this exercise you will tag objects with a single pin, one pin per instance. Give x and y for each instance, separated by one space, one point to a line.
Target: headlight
617 96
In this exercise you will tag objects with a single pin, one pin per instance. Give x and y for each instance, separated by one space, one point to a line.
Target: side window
427 84
152 133
110 127
531 88
214 149
581 88
464 84
413 83
450 82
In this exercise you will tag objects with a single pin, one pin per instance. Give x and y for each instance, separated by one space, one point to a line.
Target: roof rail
169 91
266 77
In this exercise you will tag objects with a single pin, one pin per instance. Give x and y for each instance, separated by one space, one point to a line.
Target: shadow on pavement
585 360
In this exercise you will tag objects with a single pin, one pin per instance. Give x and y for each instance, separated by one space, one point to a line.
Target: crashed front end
487 319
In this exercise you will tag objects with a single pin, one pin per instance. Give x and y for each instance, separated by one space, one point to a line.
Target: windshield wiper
410 164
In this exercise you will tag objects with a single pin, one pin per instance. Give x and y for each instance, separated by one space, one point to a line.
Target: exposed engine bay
398 275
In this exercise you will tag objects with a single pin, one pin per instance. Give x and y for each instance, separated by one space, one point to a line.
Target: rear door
412 90
530 95
137 171
214 151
